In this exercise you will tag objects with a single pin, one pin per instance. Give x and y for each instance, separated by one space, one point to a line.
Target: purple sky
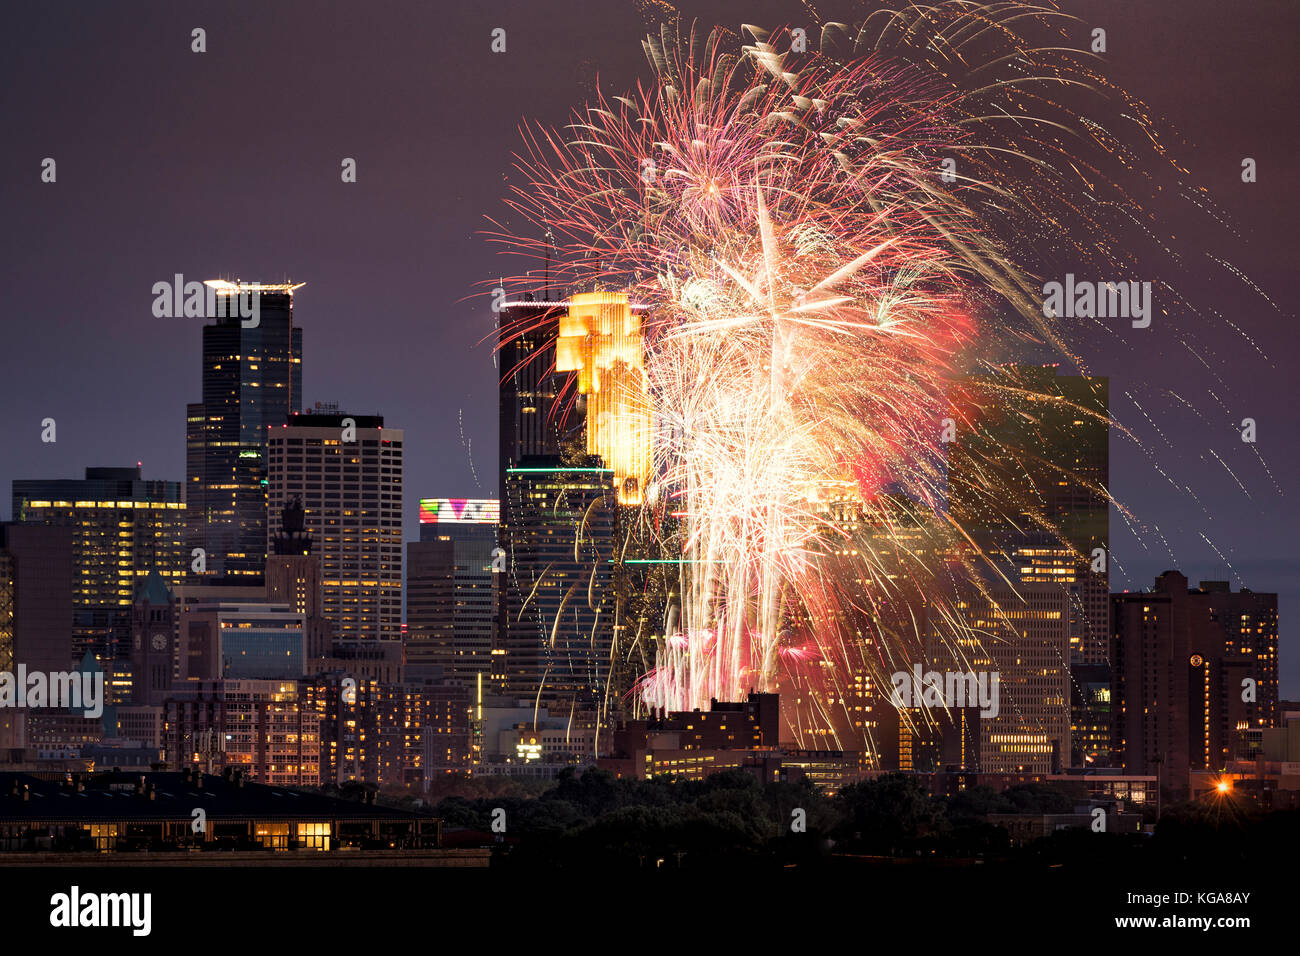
228 163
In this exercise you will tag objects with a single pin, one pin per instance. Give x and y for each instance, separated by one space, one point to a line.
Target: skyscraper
1021 634
558 537
124 528
558 521
450 598
347 472
1029 478
252 380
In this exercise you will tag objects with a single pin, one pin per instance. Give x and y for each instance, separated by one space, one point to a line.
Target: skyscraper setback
252 380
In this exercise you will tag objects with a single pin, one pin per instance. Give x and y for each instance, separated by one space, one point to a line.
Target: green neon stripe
557 471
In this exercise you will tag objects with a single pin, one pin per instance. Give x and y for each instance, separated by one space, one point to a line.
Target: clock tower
153 622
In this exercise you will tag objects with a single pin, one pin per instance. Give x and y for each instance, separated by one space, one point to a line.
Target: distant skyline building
1021 634
1194 672
125 527
153 642
36 581
1009 470
252 380
346 470
293 577
450 595
558 528
269 729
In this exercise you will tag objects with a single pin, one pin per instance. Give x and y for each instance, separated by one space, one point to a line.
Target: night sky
228 163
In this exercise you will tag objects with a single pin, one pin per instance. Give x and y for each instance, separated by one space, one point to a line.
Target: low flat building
112 813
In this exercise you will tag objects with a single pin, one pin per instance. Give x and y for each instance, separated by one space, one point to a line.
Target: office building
450 595
346 472
1021 635
558 528
252 380
124 527
1028 477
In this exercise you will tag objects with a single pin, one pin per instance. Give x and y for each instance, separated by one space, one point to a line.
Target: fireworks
827 245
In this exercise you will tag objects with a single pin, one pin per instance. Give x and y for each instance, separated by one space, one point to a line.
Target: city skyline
1225 110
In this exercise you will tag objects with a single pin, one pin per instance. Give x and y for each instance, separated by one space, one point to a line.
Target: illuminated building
600 340
558 528
252 379
124 528
1008 471
939 740
1194 671
269 729
835 703
558 537
243 641
1022 636
384 732
1090 715
348 479
450 596
107 812
741 735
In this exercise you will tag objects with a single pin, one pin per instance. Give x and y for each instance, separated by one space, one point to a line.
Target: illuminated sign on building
459 510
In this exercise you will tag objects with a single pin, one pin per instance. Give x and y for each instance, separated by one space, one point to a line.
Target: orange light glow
601 340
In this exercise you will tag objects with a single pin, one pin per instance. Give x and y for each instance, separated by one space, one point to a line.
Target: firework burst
818 291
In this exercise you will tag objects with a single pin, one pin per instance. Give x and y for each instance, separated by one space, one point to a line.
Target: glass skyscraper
252 380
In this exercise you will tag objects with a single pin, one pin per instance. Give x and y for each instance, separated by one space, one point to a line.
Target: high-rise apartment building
252 380
123 529
1193 671
450 598
269 729
346 471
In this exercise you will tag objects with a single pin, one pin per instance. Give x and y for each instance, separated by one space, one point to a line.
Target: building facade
252 380
1194 672
1032 486
346 471
124 527
450 592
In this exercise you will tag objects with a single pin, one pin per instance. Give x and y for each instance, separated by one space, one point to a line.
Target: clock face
159 641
